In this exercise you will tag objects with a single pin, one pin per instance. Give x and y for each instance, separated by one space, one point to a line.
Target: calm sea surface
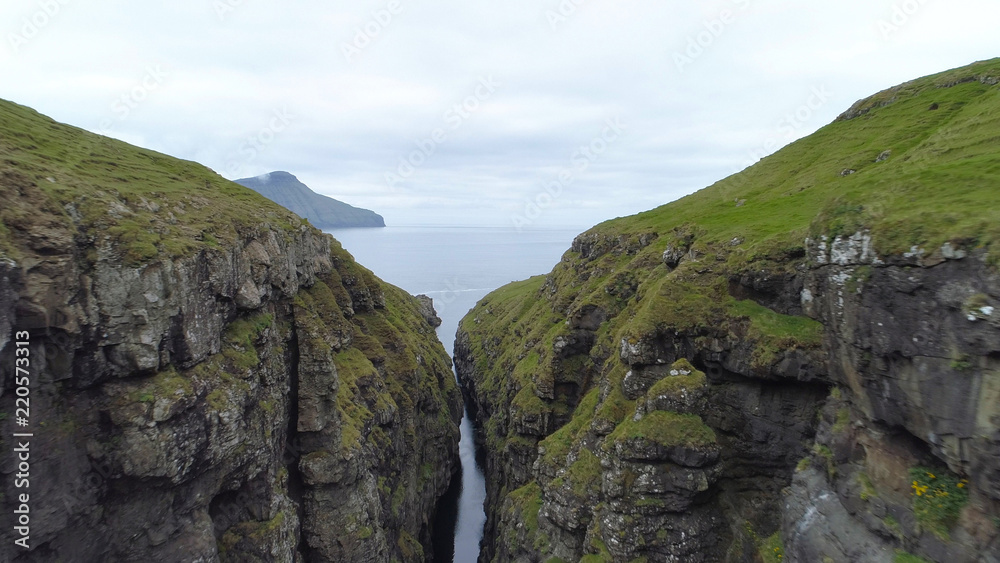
457 266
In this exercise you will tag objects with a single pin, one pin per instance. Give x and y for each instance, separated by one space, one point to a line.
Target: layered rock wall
705 444
268 400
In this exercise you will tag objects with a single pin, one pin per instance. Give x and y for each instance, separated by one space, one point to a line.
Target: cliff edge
798 363
210 378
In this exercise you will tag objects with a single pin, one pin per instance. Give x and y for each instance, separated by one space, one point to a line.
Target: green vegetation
772 550
938 499
517 372
603 555
843 420
389 338
64 186
867 488
558 444
974 303
527 501
615 406
774 332
675 385
241 336
893 526
860 277
961 362
256 531
410 547
584 476
166 384
666 429
827 454
903 557
146 204
938 186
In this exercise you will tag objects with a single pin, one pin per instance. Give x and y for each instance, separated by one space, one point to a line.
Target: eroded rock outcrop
914 344
238 391
793 364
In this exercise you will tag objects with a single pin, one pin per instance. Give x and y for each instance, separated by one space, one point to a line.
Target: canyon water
457 266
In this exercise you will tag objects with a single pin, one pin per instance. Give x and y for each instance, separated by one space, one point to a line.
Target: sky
521 113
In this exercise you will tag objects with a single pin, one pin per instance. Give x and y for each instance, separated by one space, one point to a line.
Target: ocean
457 266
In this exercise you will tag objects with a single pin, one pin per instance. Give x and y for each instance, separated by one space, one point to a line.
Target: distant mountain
322 211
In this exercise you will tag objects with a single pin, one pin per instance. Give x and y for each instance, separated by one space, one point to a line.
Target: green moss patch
527 501
904 557
240 337
410 547
666 429
169 384
689 379
558 444
584 475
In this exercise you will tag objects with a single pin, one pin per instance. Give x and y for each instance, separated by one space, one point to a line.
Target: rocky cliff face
914 343
211 378
795 364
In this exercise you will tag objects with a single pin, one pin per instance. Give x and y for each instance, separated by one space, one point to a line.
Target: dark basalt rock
245 400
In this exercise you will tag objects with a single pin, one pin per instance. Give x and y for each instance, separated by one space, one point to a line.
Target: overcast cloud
667 96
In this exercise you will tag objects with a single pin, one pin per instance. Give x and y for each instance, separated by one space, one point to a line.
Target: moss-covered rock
228 382
701 338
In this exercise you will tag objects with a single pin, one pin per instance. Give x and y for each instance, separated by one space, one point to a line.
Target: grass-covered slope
146 204
212 348
915 166
940 183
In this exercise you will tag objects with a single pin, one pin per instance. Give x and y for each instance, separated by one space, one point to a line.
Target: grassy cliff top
148 204
916 165
939 182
